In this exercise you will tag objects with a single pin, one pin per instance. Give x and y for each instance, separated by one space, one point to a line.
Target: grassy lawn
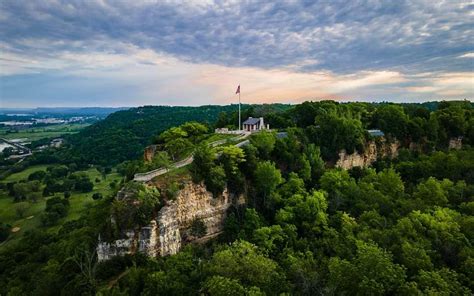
23 175
78 203
37 133
217 137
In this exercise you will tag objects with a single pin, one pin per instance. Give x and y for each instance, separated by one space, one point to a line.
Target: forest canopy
402 226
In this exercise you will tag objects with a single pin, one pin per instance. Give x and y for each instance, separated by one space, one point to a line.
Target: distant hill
124 134
91 111
84 111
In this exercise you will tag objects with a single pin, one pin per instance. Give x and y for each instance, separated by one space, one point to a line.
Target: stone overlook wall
171 229
372 151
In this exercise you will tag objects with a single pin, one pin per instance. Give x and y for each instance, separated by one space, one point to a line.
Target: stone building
254 124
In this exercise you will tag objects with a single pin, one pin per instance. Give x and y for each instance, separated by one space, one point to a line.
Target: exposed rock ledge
372 151
171 229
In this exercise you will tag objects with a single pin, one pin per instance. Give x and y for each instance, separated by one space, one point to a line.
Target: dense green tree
307 212
216 181
230 158
83 184
442 282
173 134
334 133
243 262
203 161
266 178
37 175
264 142
219 285
293 185
249 166
56 208
194 129
429 194
371 272
274 239
4 231
316 163
178 147
161 159
338 184
392 120
27 190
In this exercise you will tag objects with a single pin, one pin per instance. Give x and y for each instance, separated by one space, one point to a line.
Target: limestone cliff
372 151
171 228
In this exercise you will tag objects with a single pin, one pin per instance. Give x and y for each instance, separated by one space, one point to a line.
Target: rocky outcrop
171 229
372 151
455 143
149 153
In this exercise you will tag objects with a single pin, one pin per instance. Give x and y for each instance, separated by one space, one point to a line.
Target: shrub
198 228
4 231
97 196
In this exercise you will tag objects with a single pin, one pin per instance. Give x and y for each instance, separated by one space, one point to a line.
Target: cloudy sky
129 53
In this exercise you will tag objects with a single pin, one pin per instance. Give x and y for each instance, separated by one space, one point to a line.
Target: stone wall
371 152
171 229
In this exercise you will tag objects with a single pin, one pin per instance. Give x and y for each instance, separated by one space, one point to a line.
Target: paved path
145 177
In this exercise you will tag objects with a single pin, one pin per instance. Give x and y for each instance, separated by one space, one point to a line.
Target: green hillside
124 134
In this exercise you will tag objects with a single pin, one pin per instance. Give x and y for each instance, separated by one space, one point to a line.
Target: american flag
238 90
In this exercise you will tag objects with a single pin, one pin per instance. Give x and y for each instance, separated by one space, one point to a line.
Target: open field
79 202
23 175
37 133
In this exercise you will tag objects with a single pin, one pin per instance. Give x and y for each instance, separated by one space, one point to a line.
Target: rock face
455 143
372 151
149 152
171 229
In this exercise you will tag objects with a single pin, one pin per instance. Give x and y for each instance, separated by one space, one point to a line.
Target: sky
130 53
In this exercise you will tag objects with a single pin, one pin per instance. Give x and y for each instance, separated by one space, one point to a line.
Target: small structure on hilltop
254 124
376 133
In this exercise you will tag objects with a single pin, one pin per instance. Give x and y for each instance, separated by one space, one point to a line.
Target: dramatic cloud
157 52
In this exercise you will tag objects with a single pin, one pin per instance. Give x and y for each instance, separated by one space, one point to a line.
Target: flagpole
240 124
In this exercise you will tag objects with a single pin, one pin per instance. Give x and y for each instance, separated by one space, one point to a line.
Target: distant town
23 131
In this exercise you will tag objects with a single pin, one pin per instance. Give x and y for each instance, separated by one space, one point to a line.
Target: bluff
381 148
372 151
171 228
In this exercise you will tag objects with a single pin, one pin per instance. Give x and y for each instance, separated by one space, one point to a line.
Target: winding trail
147 176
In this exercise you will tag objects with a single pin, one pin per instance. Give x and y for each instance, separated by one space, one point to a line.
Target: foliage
371 272
56 208
97 196
215 181
198 228
123 134
264 142
403 227
267 178
4 231
202 164
242 262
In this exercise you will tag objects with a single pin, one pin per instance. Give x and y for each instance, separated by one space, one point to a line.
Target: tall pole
240 124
